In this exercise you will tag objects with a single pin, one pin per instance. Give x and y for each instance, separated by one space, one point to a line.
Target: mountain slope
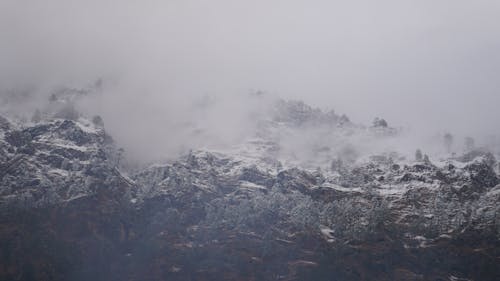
261 209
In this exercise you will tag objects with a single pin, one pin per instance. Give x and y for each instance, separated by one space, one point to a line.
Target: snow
423 241
391 189
495 191
75 197
86 126
70 146
454 278
340 188
251 185
51 141
327 232
59 172
250 153
441 164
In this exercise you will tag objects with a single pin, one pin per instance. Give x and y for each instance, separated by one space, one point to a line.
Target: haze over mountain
425 65
260 140
304 194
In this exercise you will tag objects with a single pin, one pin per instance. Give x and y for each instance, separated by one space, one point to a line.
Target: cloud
429 65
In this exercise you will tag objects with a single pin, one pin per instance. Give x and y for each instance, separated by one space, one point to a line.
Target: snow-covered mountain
309 195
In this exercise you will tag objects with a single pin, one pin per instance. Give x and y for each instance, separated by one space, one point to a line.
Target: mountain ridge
71 210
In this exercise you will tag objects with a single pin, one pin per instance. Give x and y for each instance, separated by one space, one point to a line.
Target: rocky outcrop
55 162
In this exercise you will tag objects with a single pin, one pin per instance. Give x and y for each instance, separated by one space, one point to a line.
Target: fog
430 66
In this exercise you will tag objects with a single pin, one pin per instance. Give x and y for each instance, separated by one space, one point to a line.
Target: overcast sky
415 62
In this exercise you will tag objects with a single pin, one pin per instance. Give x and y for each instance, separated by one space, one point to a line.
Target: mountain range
304 196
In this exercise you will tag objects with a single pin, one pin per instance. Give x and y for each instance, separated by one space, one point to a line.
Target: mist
428 66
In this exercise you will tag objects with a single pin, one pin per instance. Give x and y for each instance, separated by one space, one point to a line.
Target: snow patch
86 126
59 172
251 185
340 188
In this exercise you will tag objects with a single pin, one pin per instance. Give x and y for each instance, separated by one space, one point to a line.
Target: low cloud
425 65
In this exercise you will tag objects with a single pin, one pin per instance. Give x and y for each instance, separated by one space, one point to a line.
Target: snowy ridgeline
305 182
61 155
51 160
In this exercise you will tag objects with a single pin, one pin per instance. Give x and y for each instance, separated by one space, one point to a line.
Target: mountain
299 199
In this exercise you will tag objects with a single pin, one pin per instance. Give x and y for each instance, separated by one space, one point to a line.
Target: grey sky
418 63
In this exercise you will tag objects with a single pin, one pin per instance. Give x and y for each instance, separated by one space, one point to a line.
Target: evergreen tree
426 159
37 116
97 120
469 143
418 155
448 141
379 122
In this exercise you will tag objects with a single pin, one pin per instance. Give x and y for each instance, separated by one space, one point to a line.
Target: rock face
69 212
55 162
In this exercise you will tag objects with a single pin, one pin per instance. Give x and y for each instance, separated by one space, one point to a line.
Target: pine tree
469 143
380 122
97 120
418 155
37 116
448 142
426 159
